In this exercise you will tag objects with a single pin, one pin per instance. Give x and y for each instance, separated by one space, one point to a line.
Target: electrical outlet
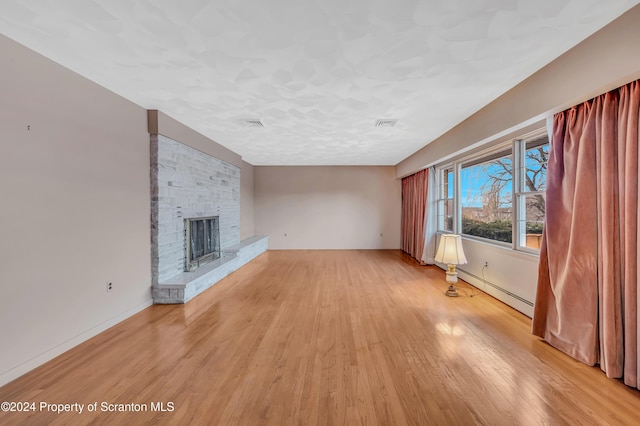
486 264
109 286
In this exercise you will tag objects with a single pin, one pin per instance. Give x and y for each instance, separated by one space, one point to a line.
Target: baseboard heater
497 287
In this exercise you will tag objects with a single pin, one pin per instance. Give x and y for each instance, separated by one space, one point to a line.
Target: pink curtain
414 198
587 301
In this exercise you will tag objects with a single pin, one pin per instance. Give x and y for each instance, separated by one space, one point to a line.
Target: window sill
505 247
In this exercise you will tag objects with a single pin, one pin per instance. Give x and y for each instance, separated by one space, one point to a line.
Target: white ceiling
318 73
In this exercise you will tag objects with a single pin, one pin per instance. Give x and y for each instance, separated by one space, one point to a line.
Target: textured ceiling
318 73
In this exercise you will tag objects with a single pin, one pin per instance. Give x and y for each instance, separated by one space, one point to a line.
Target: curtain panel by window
430 220
587 300
414 198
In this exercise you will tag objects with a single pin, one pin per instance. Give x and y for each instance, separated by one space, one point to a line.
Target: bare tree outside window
487 194
535 179
487 198
531 196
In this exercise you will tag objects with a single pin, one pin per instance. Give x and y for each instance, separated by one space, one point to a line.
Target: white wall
74 185
319 207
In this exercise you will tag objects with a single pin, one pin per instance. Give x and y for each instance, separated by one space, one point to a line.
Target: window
486 197
445 200
532 178
501 194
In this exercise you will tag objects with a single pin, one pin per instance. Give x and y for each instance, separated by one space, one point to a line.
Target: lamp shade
450 250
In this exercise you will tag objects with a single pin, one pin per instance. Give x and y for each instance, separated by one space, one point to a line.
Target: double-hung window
532 156
446 204
500 196
486 196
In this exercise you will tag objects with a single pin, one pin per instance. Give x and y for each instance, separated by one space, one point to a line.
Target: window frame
496 151
520 193
443 198
516 148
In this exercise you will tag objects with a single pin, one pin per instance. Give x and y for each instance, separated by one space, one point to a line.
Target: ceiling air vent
385 122
252 122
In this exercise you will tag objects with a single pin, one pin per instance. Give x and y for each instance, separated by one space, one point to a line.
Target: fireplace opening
202 241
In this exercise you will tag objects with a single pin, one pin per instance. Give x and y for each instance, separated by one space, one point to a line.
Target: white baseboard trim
15 372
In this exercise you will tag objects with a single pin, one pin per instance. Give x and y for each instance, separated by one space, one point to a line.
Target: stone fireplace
195 198
189 184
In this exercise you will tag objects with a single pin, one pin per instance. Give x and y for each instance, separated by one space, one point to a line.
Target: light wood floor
327 337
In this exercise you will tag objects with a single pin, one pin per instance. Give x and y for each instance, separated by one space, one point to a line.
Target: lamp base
452 274
451 292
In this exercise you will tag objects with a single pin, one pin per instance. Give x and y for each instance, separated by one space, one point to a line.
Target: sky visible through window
478 179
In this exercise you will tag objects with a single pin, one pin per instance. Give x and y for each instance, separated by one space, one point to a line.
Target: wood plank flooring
324 338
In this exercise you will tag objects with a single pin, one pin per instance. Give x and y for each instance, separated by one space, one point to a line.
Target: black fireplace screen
202 241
